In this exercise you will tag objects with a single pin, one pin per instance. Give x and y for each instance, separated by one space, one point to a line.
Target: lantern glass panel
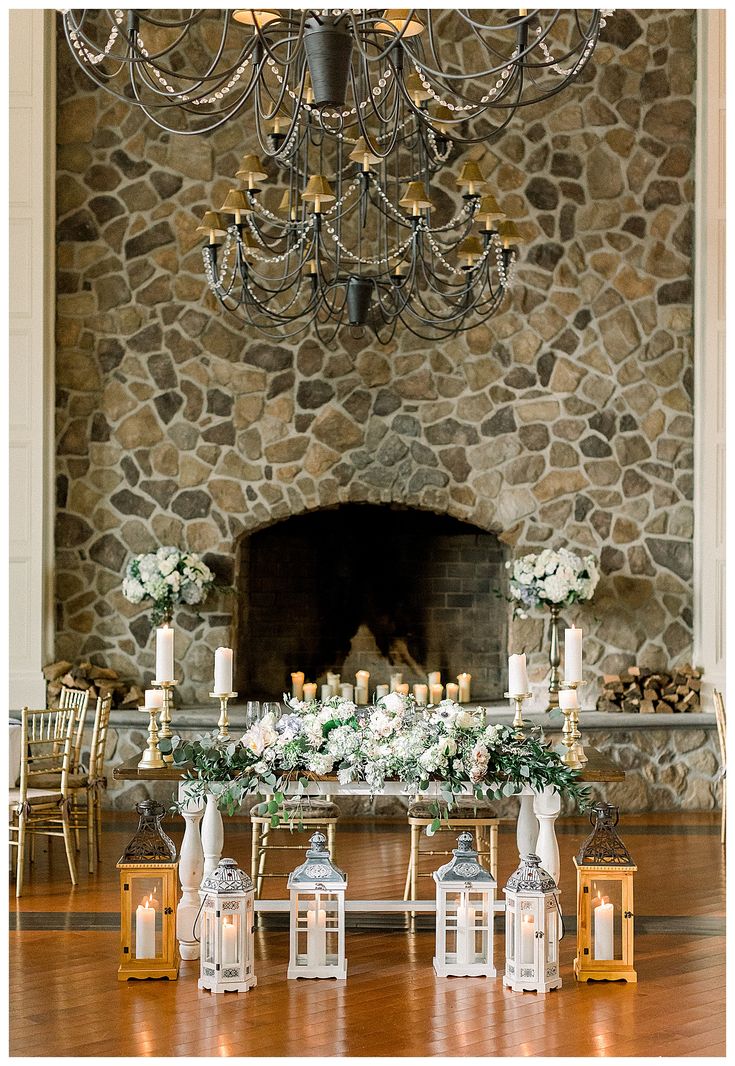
230 940
552 935
147 918
510 940
529 927
317 934
606 919
208 938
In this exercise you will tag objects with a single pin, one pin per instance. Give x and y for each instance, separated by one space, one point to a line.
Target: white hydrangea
553 577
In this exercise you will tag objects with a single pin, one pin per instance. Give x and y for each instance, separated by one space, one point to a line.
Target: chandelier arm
395 41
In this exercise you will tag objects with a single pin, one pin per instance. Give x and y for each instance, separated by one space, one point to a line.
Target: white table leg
191 871
213 835
546 806
527 825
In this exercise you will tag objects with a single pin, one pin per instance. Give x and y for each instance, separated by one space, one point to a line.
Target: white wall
31 365
709 353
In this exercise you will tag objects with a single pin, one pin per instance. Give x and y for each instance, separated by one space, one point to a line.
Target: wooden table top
598 768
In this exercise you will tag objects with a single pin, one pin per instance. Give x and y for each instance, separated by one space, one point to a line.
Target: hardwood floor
65 998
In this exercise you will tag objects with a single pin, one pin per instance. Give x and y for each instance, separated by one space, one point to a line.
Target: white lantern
532 929
317 931
465 907
227 930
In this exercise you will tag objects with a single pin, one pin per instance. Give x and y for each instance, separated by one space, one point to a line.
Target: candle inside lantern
310 691
604 913
395 681
229 941
572 654
464 687
528 935
316 935
421 694
382 690
153 698
435 693
347 691
145 930
452 691
517 675
465 932
222 671
434 678
333 680
297 685
326 693
164 653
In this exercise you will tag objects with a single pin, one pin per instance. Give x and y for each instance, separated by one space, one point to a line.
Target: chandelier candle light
152 758
223 688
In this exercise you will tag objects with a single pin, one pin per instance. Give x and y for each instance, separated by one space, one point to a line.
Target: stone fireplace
381 588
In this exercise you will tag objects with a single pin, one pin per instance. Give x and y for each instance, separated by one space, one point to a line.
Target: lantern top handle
603 847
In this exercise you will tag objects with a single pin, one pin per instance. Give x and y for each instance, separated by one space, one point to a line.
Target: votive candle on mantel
572 655
362 679
361 695
153 698
326 693
517 675
435 693
402 689
421 694
297 685
452 691
310 691
222 672
395 681
382 690
434 678
347 691
333 680
164 653
464 687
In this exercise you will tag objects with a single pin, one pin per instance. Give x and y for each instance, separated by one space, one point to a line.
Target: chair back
47 746
721 726
76 699
99 737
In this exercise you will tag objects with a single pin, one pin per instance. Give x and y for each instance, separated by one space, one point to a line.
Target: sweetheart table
201 847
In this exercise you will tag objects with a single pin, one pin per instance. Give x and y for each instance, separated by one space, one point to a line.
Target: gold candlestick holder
152 758
518 723
168 699
224 723
574 756
576 735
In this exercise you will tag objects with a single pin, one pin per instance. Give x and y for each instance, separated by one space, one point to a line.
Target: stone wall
565 420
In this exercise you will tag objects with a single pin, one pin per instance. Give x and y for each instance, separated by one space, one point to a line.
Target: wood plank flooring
65 998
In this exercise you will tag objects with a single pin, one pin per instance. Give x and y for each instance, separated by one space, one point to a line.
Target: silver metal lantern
227 926
532 929
317 928
465 907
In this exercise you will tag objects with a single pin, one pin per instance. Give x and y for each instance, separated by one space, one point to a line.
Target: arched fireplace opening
380 588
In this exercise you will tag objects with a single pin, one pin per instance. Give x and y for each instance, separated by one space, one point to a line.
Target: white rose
393 702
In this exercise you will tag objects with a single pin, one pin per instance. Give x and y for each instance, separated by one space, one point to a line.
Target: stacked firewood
98 680
651 691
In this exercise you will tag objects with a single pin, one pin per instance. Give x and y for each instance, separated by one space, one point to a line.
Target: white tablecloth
14 752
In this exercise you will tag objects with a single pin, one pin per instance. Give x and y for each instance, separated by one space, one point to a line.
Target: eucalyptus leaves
391 740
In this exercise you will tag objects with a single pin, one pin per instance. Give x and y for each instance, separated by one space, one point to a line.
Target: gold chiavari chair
76 699
38 810
298 813
722 737
475 816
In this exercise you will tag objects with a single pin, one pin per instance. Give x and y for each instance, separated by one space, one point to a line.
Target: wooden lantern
604 902
227 930
317 928
148 889
532 920
465 908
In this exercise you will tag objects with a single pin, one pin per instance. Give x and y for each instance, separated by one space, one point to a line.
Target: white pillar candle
568 699
326 693
153 698
434 678
145 930
361 695
465 933
333 680
164 654
528 935
297 685
517 675
316 935
222 671
310 691
362 679
604 914
402 690
421 694
464 687
395 681
435 693
382 690
452 691
347 691
229 941
572 654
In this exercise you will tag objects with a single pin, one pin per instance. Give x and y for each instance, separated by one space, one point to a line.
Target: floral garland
552 578
168 576
394 739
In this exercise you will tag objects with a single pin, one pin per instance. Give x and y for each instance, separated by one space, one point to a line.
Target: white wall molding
32 158
709 352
